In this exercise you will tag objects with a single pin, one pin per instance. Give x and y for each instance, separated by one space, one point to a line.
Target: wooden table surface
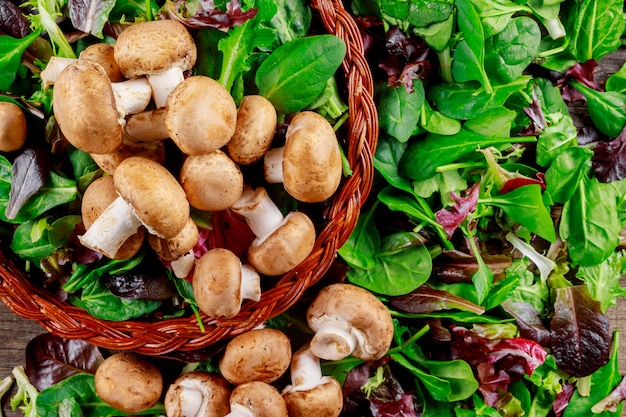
16 332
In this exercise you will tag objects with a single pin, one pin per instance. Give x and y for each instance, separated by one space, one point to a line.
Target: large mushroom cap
85 108
256 355
201 115
358 312
198 394
283 250
128 382
256 125
212 181
154 46
311 159
157 198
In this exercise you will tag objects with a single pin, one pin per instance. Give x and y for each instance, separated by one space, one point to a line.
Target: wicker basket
182 336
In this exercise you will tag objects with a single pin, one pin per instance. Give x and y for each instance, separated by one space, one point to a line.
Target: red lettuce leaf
426 300
31 170
407 59
207 15
580 333
452 219
609 159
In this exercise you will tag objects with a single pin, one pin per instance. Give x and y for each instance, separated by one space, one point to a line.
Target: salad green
494 232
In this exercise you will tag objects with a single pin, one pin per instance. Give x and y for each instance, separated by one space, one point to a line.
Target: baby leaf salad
495 230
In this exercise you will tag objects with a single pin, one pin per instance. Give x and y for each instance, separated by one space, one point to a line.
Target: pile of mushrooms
253 380
121 103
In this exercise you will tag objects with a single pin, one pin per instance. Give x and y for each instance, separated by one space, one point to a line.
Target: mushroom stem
55 65
306 372
273 165
163 83
334 340
250 283
131 96
261 213
183 265
111 229
191 400
146 126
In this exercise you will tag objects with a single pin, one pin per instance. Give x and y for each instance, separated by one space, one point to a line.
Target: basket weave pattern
182 335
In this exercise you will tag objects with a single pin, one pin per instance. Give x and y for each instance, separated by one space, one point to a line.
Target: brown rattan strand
184 334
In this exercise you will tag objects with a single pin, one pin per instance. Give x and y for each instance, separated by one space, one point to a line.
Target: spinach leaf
596 28
387 159
361 248
525 206
11 50
469 53
566 172
291 20
607 109
418 14
296 72
465 101
436 122
439 388
495 15
424 156
79 391
36 239
510 51
493 122
395 274
399 110
559 134
617 81
589 223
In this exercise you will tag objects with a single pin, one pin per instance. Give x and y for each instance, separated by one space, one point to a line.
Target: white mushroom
349 320
311 394
282 242
159 49
149 195
198 394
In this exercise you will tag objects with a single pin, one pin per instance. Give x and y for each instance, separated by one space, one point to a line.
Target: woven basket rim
182 335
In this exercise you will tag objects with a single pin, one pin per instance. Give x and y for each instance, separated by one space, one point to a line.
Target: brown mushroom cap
109 161
157 198
154 46
311 165
12 127
103 54
96 198
128 382
212 391
219 283
201 115
179 245
257 355
212 181
368 318
260 398
256 124
85 108
325 400
283 250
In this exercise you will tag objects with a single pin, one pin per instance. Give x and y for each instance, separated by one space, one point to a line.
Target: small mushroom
212 181
109 161
257 399
198 394
159 49
103 54
146 126
256 125
12 127
311 394
262 354
309 165
128 382
281 242
96 198
179 249
221 283
349 320
201 115
148 194
89 111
